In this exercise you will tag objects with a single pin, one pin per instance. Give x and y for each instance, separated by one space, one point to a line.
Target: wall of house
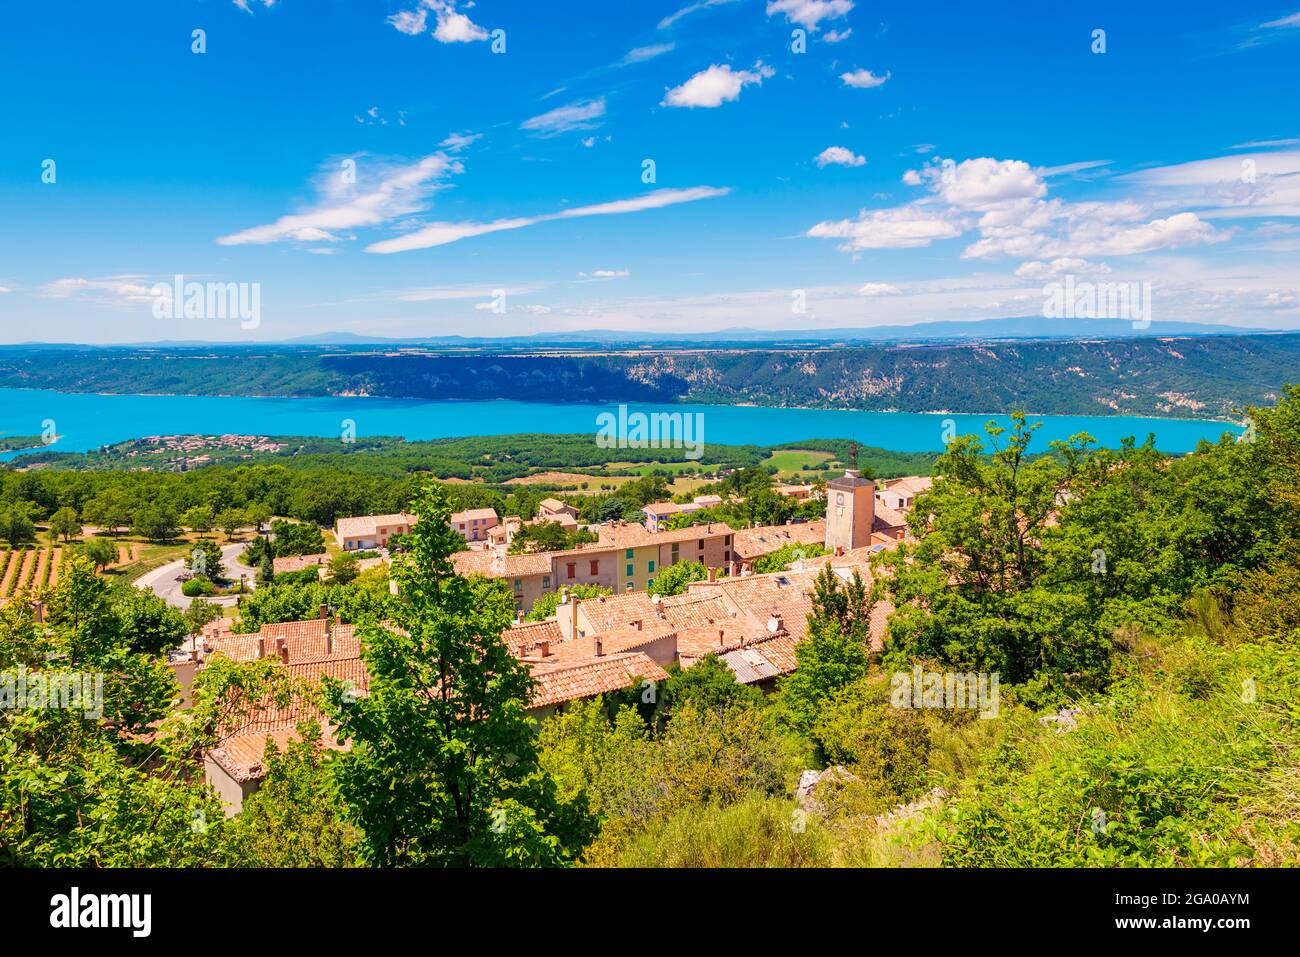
231 792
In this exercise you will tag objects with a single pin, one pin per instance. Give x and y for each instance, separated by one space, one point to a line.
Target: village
624 638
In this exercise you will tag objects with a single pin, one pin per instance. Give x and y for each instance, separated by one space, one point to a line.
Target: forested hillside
1182 377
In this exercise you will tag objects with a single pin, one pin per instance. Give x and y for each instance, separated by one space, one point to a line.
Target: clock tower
850 511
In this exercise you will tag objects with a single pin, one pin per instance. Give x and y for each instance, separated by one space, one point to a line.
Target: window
651 567
546 582
628 553
676 550
571 570
631 586
519 585
650 583
726 556
629 569
595 567
701 544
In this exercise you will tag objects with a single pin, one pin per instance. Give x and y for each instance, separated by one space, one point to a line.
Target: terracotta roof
360 526
470 514
296 563
523 638
751 543
242 756
762 659
693 610
304 641
888 518
485 562
631 536
568 681
608 612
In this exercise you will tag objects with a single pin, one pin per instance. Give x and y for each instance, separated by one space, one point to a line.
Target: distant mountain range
1167 373
1016 327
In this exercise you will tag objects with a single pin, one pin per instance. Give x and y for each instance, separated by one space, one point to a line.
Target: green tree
295 819
828 659
101 551
200 613
230 521
16 526
344 568
198 519
546 604
443 768
65 524
158 523
673 579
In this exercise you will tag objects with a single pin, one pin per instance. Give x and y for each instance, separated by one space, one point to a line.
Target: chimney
637 624
543 648
261 647
776 624
600 647
324 612
329 628
713 574
282 649
722 638
38 611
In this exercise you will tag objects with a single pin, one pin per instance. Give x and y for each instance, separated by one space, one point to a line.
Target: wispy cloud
686 11
395 191
440 234
244 4
579 115
642 54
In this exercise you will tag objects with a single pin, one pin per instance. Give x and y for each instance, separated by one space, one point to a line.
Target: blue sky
913 162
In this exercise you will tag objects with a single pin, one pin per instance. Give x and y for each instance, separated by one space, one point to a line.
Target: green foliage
344 568
673 579
544 607
708 684
757 831
829 660
548 536
16 526
101 551
443 770
295 819
64 524
785 556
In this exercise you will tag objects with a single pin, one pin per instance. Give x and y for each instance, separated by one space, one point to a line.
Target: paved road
163 580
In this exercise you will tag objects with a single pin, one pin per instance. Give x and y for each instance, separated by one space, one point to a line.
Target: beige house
474 523
553 507
371 531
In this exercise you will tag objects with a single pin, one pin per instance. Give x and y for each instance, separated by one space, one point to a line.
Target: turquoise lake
86 422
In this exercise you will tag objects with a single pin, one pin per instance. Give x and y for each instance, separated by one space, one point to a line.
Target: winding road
164 584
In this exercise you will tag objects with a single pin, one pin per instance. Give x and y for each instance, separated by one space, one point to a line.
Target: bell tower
850 511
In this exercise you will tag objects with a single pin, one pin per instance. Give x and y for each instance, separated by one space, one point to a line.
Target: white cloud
450 26
902 227
243 5
1288 21
395 191
579 115
440 234
1266 144
879 289
458 141
454 27
641 54
1039 271
837 36
715 86
126 290
863 79
840 156
467 291
410 22
672 18
1244 185
605 274
809 13
1004 200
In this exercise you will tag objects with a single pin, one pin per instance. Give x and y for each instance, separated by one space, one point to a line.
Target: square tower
850 511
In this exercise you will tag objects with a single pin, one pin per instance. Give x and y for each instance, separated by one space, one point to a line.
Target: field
28 569
790 463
